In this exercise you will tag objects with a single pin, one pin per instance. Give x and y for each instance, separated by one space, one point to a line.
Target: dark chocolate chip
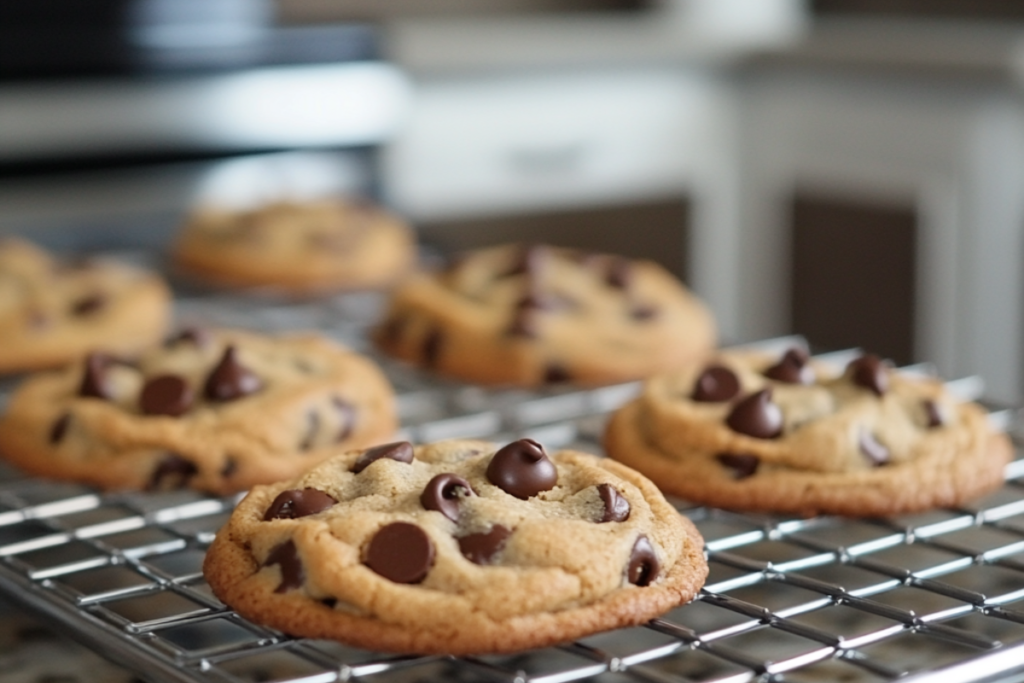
400 552
312 429
400 450
643 312
716 384
616 508
60 428
742 465
481 548
934 416
873 449
869 371
230 380
346 416
329 603
287 556
89 304
432 348
643 563
172 472
792 368
229 468
619 273
95 381
196 336
166 395
295 503
555 373
443 494
522 469
756 416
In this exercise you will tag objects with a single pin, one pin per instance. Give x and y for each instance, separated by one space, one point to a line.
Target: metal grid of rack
926 597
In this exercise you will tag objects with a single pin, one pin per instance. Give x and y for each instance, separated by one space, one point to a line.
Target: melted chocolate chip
869 371
287 556
443 494
89 304
95 381
643 312
295 503
643 564
166 395
346 416
873 449
555 374
619 273
934 416
716 384
196 336
400 552
400 450
756 416
230 380
616 508
481 548
792 368
172 472
312 429
60 428
229 468
741 464
522 469
432 348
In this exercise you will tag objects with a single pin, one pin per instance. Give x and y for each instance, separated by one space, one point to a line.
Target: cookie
53 311
530 315
456 547
297 247
758 431
218 411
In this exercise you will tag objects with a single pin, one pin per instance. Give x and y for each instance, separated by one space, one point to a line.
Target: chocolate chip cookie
53 311
756 431
297 247
530 315
217 411
456 547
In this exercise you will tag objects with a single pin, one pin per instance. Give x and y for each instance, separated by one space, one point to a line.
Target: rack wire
928 597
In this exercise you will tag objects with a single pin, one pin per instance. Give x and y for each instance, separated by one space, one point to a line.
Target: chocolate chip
196 336
522 469
346 416
716 384
172 472
229 468
166 395
95 380
400 450
481 548
756 416
443 494
524 324
60 428
741 464
287 556
555 374
792 368
89 304
392 331
400 552
616 508
869 371
295 503
230 380
643 312
643 563
619 273
934 416
873 449
529 261
432 348
312 429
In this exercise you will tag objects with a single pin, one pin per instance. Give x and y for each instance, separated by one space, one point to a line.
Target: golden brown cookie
526 316
53 312
297 247
756 431
456 547
218 411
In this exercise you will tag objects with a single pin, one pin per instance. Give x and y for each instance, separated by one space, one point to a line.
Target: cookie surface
217 411
53 312
456 547
755 431
297 247
526 316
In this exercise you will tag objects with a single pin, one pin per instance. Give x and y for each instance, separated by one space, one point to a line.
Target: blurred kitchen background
850 170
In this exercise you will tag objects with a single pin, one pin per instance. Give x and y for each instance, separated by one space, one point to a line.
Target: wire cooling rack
927 597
